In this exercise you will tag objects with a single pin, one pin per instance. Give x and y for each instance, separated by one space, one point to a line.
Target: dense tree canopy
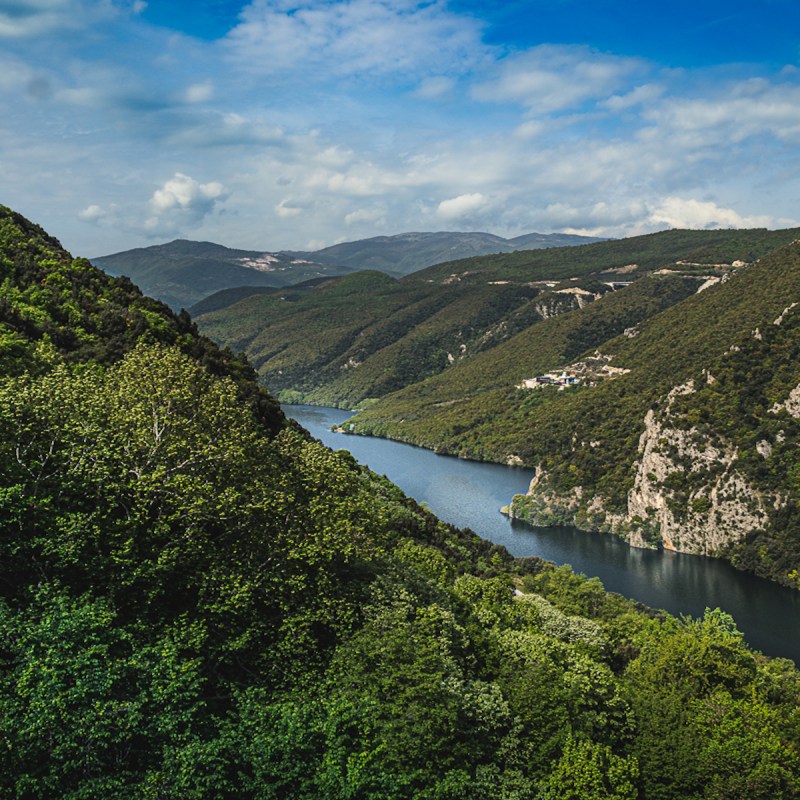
196 602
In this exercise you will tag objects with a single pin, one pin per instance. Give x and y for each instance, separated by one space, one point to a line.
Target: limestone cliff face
687 494
687 487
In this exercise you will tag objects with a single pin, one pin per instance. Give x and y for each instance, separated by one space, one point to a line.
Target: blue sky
275 124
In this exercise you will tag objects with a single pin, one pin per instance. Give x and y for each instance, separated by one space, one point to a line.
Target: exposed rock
687 494
790 404
708 283
782 317
702 515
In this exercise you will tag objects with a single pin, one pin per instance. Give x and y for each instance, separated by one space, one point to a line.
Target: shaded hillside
183 272
666 453
194 606
361 337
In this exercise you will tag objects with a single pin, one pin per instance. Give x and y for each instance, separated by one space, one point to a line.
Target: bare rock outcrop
687 493
688 489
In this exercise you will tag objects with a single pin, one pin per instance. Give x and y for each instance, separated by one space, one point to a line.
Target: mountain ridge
183 272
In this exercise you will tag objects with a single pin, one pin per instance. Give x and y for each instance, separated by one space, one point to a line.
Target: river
469 494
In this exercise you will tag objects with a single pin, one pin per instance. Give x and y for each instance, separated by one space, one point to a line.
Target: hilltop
405 253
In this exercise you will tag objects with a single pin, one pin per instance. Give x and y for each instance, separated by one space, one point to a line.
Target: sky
297 124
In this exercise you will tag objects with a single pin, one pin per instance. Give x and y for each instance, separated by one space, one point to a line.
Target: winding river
469 494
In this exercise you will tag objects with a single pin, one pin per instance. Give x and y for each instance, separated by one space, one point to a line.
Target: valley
198 599
446 359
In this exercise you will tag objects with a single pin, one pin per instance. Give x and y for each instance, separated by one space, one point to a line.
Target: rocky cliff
716 468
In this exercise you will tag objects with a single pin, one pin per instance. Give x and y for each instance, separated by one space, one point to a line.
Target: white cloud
92 213
553 78
285 211
678 212
372 216
317 116
733 113
354 37
200 92
182 201
22 19
641 95
435 88
461 206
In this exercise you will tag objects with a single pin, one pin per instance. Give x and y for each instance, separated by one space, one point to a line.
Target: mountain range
606 367
182 272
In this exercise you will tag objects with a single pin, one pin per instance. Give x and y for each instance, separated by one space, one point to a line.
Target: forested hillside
621 454
350 341
183 272
199 601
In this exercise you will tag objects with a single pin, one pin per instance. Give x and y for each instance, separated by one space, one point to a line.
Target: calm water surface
469 495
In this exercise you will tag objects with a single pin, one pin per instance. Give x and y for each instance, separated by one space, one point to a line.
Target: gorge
469 494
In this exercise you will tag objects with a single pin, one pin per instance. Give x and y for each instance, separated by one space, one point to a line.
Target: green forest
352 341
198 600
444 359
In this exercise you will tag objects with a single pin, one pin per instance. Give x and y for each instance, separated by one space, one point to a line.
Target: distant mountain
409 252
183 272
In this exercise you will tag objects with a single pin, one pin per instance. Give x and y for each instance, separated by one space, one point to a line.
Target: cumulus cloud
678 212
183 201
92 213
461 206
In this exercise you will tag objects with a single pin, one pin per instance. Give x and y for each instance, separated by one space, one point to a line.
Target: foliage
194 605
